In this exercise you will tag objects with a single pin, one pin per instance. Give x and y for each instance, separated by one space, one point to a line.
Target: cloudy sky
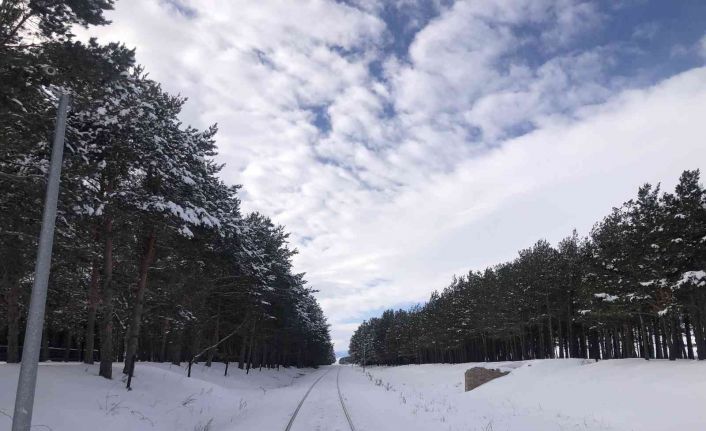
404 141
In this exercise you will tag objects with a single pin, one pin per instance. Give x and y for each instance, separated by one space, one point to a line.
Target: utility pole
24 400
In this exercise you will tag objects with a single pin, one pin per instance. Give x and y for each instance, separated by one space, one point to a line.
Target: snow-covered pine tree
684 226
50 19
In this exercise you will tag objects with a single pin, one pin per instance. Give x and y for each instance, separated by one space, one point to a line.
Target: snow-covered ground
71 397
570 394
537 395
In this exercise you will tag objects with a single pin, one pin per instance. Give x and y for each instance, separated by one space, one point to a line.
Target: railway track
340 399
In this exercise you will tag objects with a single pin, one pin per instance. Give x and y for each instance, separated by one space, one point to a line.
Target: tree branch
15 177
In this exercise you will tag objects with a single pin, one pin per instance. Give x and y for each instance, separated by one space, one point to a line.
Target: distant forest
635 287
153 258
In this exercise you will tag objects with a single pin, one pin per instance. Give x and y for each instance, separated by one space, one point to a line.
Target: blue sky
647 31
405 141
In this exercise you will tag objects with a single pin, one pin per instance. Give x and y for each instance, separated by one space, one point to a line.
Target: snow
321 410
696 277
187 214
606 297
71 397
186 232
660 282
19 103
562 394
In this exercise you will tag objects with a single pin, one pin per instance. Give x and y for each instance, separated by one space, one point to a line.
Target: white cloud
540 185
701 47
646 31
419 176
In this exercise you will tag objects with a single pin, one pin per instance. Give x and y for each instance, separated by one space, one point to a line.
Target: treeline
153 258
636 287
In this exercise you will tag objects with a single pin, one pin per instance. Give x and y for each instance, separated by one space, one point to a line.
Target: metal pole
24 400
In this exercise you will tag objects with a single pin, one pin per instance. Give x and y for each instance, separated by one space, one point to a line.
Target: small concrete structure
478 376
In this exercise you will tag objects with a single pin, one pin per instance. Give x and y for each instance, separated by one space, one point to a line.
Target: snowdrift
562 394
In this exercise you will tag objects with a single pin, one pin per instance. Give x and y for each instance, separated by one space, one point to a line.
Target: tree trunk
176 347
629 348
678 341
241 357
550 342
67 345
615 333
194 348
133 331
643 338
668 338
560 336
12 298
523 346
665 343
573 347
264 354
698 328
44 355
249 359
211 352
93 301
163 346
106 349
701 318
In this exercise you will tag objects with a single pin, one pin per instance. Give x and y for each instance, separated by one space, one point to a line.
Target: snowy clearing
628 394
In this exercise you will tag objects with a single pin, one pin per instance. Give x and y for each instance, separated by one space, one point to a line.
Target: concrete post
24 400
